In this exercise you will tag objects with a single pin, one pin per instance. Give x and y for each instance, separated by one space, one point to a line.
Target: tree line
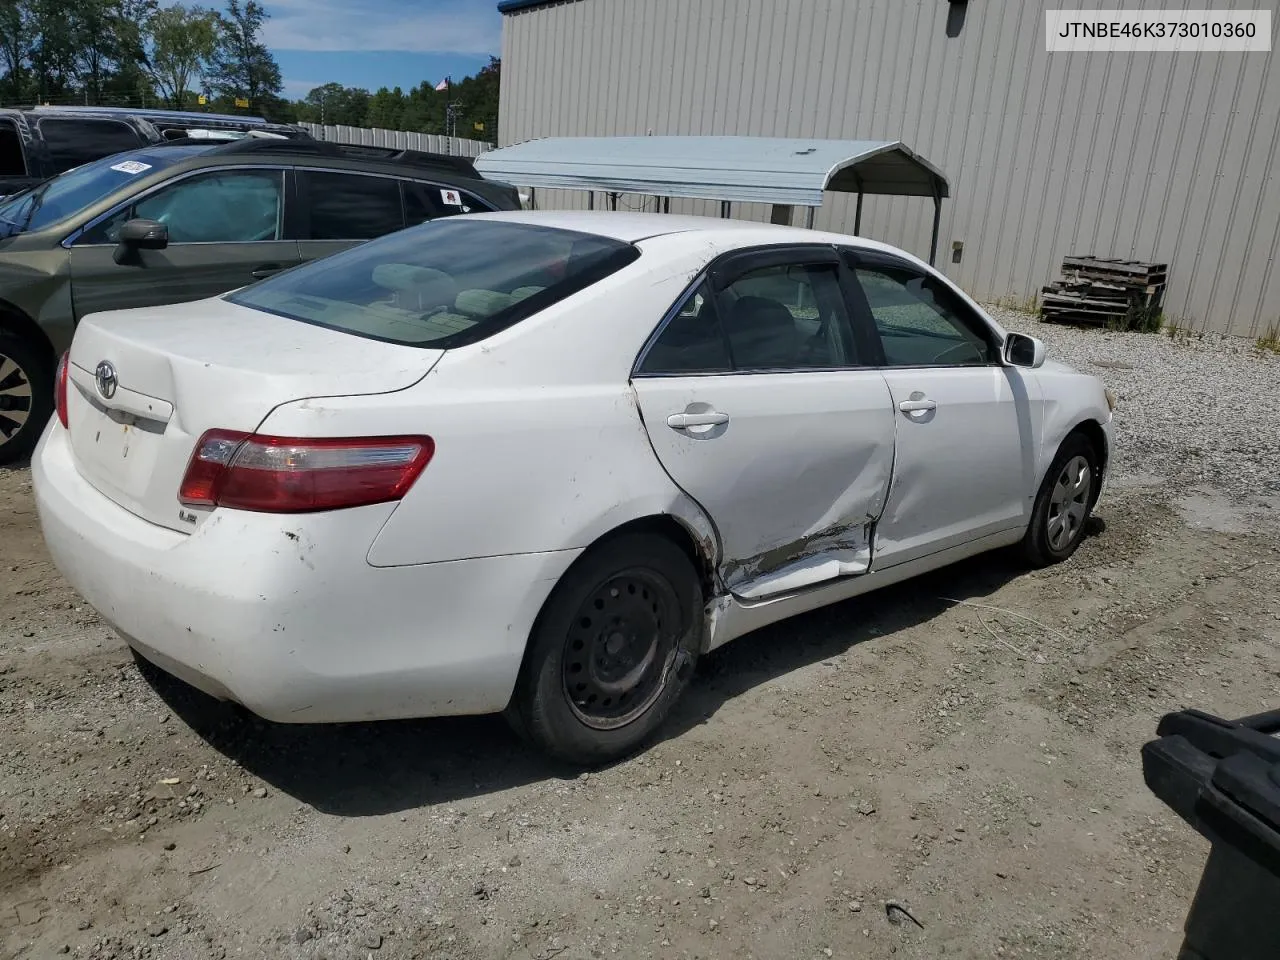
136 53
422 109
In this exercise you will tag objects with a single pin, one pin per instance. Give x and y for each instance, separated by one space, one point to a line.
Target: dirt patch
974 762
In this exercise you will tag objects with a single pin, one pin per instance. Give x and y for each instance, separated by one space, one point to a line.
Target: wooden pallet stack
1104 292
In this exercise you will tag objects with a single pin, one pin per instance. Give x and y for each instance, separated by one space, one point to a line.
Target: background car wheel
26 397
612 651
1064 503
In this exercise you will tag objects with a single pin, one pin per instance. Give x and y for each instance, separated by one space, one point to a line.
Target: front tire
612 651
1063 504
26 397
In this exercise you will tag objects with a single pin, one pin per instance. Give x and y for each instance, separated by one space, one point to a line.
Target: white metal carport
779 171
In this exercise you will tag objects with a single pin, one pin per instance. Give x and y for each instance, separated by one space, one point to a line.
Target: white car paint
821 489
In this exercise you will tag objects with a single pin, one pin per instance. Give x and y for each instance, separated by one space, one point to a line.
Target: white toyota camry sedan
540 462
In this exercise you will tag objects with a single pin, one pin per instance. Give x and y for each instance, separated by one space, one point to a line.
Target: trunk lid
186 368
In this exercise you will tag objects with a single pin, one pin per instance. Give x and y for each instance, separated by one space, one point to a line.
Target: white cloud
469 26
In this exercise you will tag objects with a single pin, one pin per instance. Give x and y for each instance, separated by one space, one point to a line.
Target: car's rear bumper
285 615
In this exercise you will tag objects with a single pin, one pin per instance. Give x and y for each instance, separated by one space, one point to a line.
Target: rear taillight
60 389
297 475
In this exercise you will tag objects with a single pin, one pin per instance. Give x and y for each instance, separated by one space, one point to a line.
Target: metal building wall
1155 156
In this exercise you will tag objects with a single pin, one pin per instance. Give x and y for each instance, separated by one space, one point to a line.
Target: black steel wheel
621 647
612 651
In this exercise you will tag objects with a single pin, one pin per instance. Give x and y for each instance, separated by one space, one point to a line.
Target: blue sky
375 43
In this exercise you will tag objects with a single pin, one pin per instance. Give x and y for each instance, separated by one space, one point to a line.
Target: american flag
443 84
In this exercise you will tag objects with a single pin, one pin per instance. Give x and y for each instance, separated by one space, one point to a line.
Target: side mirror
138 235
144 234
1023 351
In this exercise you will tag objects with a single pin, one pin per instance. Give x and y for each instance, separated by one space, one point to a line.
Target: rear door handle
917 406
266 270
679 421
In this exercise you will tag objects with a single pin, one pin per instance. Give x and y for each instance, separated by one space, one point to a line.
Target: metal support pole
591 199
533 198
857 217
808 217
724 209
937 223
613 201
666 204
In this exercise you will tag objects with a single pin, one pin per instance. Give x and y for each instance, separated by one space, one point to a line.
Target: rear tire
26 396
612 651
1064 503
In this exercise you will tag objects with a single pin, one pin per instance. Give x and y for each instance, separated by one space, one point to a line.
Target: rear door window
692 342
440 284
788 317
348 206
71 142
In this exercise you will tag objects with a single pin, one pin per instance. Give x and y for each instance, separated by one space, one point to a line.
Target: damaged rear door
758 404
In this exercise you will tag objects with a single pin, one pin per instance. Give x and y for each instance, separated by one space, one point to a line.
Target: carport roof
742 169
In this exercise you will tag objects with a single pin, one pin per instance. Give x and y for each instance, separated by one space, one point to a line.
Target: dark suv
182 221
41 142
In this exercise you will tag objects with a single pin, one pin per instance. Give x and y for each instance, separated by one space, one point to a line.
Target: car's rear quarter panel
539 443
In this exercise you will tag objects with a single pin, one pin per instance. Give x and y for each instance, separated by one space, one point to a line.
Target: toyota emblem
107 380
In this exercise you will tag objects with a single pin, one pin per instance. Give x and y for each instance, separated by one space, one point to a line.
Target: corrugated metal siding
1166 157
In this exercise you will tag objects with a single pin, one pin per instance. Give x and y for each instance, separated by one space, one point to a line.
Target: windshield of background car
68 193
443 284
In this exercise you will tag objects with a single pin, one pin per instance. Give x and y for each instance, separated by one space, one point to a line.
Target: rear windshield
443 284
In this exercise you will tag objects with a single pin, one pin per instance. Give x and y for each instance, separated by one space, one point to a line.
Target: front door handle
266 270
680 421
917 405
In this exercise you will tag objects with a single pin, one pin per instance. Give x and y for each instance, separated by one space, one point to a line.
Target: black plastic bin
1223 778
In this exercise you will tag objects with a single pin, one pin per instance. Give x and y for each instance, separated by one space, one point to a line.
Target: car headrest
763 333
426 283
482 303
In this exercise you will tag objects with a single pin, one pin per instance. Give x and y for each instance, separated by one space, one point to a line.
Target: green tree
108 43
179 43
129 83
477 99
16 35
53 51
333 103
242 66
386 108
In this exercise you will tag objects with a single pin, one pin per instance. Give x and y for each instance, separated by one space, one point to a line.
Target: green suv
184 221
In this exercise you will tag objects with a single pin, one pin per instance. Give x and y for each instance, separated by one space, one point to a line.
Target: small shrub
1138 319
1018 304
1270 341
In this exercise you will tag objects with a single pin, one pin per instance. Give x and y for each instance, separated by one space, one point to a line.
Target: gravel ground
1198 409
975 763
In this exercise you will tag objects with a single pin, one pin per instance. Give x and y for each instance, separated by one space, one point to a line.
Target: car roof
160 153
634 227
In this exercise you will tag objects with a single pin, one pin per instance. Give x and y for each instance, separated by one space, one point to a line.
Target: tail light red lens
60 389
299 475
